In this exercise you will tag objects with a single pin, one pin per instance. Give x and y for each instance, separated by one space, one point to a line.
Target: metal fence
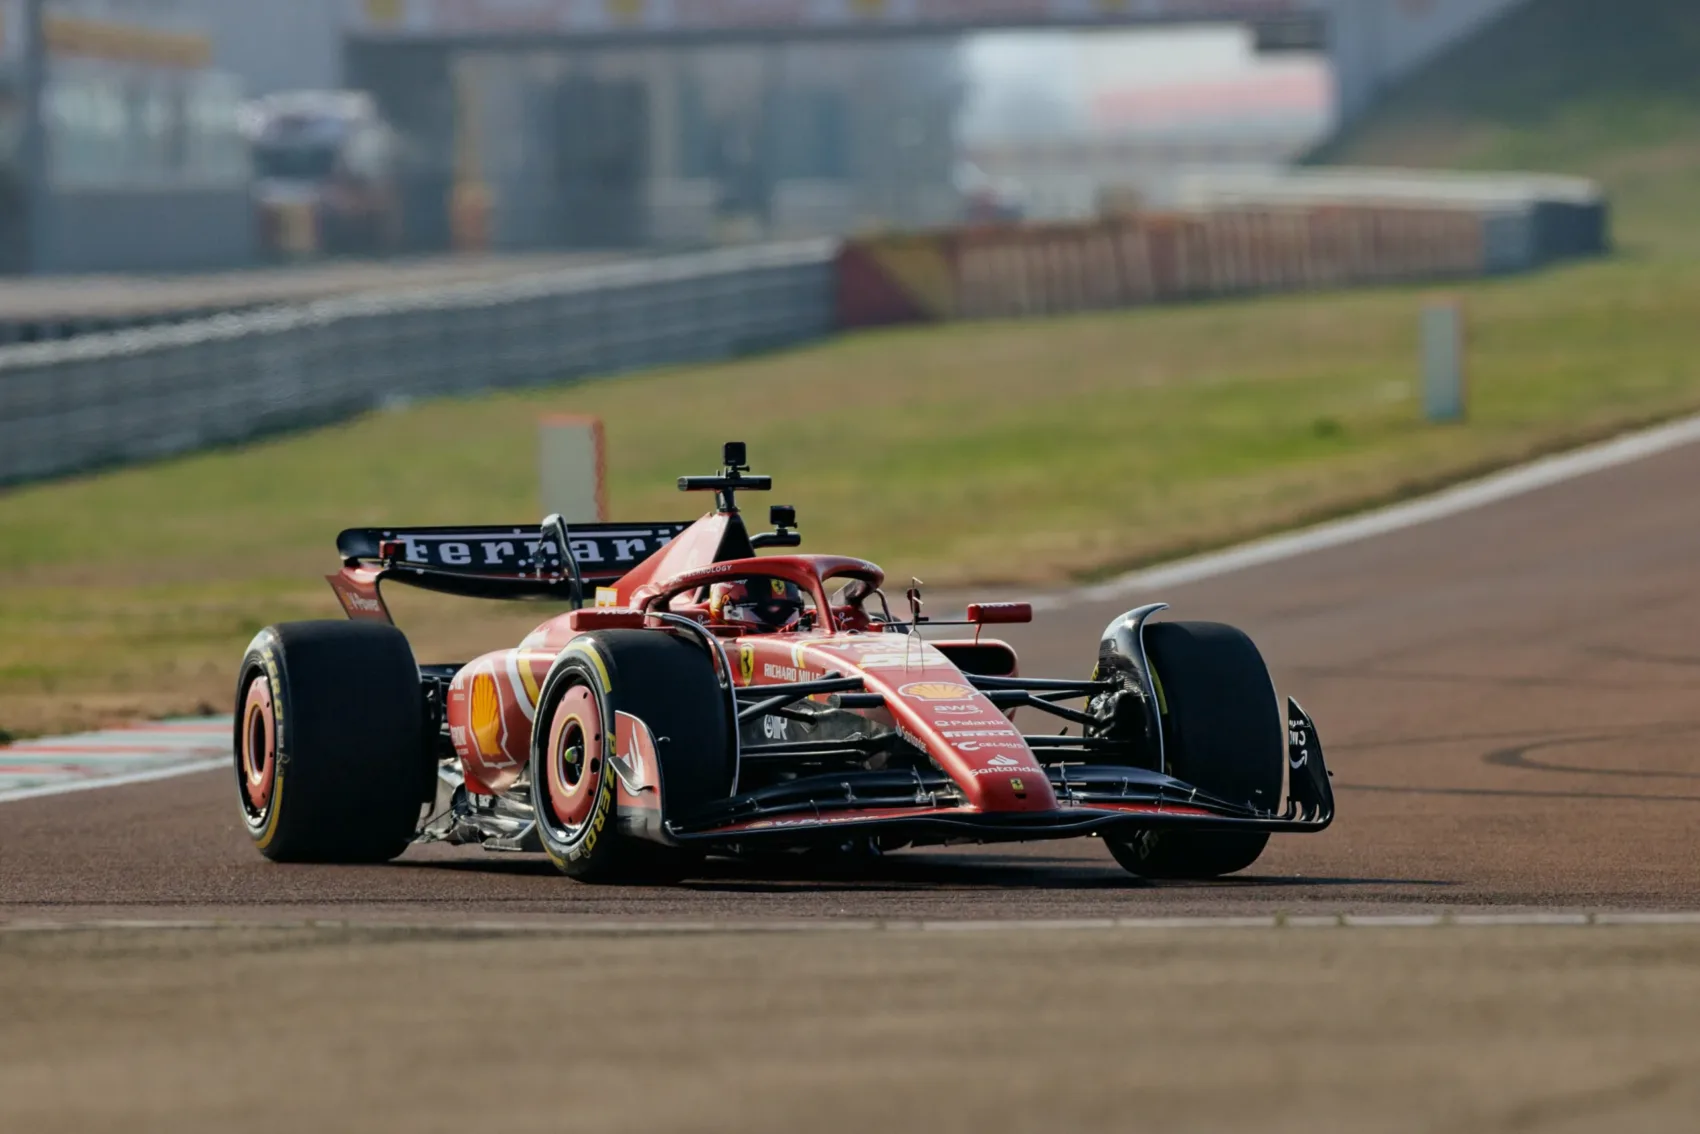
105 399
109 398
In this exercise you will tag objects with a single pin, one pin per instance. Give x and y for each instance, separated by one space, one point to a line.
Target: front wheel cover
572 787
262 706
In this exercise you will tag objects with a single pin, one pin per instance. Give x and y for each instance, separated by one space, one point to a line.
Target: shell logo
936 691
486 716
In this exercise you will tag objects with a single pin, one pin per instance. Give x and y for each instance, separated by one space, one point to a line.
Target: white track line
115 781
1551 919
1510 483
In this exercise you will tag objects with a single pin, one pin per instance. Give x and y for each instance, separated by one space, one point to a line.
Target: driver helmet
761 605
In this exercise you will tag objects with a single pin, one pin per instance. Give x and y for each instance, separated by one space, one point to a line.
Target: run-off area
1550 1028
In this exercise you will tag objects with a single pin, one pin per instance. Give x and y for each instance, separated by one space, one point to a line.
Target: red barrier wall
998 272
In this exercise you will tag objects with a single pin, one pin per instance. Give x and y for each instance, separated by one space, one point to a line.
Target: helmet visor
766 611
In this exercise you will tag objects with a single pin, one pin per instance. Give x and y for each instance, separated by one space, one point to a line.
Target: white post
1443 361
572 461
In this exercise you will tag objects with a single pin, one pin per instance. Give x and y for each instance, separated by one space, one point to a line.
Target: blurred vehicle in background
325 174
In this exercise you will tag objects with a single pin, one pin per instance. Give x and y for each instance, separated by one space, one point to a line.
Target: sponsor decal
789 674
607 597
935 691
1296 740
521 550
1025 769
906 653
486 716
358 604
457 736
1001 762
958 710
776 728
980 732
746 664
989 746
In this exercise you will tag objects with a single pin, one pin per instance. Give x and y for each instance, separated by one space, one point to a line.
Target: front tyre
668 683
1223 733
573 790
329 742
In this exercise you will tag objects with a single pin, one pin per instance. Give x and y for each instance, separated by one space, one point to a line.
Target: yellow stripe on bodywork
528 678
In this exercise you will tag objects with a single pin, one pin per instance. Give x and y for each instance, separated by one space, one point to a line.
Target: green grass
999 453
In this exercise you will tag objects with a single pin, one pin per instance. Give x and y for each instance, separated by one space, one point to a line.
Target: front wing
1094 799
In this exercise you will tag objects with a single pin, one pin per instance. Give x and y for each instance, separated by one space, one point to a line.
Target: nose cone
969 737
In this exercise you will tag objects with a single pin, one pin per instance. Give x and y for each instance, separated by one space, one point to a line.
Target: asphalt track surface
1509 698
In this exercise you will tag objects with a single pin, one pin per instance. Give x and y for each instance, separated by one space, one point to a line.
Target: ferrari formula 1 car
697 698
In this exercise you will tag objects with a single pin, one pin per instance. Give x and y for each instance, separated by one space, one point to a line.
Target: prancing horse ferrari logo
746 664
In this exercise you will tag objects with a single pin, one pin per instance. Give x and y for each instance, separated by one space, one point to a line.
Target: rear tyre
1223 733
330 742
669 684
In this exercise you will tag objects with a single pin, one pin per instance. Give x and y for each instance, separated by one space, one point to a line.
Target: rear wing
511 561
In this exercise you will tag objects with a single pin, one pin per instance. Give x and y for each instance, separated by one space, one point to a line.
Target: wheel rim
575 764
259 746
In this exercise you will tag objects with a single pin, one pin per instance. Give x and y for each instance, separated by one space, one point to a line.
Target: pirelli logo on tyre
593 830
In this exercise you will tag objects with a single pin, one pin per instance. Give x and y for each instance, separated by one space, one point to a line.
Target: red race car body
635 732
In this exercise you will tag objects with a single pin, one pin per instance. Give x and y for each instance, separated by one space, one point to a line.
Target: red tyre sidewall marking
577 717
259 745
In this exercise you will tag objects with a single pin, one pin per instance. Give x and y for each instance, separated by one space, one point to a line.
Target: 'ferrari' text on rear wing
605 552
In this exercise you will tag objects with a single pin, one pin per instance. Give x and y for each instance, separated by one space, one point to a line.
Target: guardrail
111 398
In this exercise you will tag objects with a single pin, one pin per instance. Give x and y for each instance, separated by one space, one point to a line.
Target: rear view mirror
1000 613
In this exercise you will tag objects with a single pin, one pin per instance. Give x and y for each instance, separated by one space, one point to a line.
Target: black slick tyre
1223 733
667 682
329 742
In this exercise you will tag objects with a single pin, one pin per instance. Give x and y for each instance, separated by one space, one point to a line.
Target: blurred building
687 145
556 141
145 168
